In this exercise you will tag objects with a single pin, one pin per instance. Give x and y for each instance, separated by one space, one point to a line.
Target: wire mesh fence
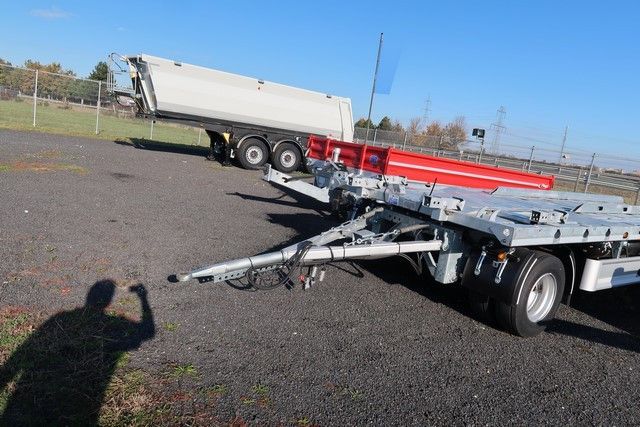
64 103
575 170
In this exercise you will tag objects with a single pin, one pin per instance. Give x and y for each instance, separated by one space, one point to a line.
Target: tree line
54 81
435 133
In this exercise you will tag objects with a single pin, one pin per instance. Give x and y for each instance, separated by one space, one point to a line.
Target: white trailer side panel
186 89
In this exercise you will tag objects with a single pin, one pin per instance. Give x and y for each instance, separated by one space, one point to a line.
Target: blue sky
550 63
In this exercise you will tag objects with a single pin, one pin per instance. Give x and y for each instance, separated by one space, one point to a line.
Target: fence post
98 108
637 196
35 99
586 186
575 187
531 158
151 133
199 136
404 143
375 135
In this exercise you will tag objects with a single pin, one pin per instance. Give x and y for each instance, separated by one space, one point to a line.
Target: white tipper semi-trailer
246 118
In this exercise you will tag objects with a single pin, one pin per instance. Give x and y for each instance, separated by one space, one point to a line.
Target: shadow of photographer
60 374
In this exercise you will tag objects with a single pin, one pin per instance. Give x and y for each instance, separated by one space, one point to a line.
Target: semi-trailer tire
287 157
538 294
252 154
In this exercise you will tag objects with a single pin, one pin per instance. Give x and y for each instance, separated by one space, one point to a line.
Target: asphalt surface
369 345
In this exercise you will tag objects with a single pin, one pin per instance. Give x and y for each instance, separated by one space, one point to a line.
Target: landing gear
219 149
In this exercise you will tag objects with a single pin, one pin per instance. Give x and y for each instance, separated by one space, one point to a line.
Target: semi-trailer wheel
287 157
252 154
538 293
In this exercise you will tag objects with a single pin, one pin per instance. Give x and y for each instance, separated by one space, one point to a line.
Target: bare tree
415 126
455 132
397 126
434 128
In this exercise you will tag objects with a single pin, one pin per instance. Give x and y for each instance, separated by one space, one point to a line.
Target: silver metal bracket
483 255
452 203
548 217
501 266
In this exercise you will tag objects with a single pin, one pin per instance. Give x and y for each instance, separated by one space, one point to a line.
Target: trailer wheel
252 154
481 306
286 158
538 294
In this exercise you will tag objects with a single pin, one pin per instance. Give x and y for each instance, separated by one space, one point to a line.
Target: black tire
546 273
287 157
481 307
252 154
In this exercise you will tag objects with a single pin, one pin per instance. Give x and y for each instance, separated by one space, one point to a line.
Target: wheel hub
541 297
254 155
288 158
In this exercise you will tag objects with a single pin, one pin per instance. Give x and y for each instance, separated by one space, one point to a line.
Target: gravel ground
370 345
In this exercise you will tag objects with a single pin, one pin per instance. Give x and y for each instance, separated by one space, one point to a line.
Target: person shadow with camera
60 374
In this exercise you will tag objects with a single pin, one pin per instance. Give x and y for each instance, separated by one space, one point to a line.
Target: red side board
424 168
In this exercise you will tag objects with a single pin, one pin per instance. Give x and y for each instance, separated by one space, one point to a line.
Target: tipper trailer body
248 118
517 252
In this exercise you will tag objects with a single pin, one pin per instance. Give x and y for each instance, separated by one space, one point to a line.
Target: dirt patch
21 166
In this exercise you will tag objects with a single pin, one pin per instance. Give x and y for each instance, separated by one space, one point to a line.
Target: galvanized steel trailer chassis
518 252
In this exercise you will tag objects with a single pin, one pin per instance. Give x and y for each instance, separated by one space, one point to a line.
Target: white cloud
51 13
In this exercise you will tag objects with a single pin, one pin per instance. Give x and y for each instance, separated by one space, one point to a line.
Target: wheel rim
254 155
541 297
288 158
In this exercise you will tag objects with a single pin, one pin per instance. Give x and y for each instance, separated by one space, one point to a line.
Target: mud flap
487 282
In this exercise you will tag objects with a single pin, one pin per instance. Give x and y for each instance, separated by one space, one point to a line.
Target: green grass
82 122
12 333
170 326
260 389
303 422
181 371
218 390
